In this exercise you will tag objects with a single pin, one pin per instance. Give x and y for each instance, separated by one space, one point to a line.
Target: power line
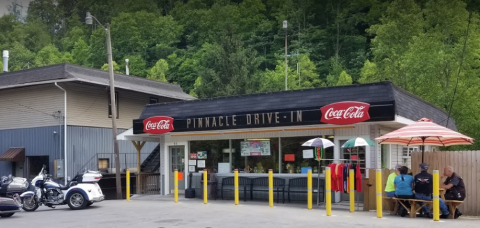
28 107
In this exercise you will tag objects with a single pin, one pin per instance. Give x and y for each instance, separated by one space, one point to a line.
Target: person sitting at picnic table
424 187
404 188
390 187
455 190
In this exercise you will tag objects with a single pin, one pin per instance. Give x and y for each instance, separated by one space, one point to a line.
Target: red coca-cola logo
158 125
347 112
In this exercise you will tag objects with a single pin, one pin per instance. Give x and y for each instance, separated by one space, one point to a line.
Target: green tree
159 71
116 67
81 53
137 65
227 68
50 55
344 79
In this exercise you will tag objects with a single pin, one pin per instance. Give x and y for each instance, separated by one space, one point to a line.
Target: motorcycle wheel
29 204
6 215
76 201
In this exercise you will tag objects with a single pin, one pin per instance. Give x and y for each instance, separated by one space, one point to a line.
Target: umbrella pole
423 147
318 184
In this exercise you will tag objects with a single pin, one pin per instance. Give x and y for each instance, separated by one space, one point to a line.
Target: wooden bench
413 209
260 184
243 184
392 204
452 205
299 185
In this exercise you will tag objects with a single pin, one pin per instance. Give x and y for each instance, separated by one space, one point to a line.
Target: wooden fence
369 191
465 163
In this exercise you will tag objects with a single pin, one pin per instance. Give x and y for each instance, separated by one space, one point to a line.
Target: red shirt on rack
339 181
333 178
358 177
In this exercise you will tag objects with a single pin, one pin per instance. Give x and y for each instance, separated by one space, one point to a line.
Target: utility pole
113 105
286 63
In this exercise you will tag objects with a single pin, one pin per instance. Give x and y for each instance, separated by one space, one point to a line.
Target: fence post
328 190
236 186
309 190
128 185
175 185
379 193
270 187
352 190
205 186
436 191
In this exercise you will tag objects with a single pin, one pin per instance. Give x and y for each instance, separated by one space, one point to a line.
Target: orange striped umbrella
425 132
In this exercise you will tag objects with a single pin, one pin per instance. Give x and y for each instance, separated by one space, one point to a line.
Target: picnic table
414 208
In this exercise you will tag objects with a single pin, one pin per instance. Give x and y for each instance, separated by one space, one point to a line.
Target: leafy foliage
231 47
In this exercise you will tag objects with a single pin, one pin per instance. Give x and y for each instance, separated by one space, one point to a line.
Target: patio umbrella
358 141
319 142
322 143
425 132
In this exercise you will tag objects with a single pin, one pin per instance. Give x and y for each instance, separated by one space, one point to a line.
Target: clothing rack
324 186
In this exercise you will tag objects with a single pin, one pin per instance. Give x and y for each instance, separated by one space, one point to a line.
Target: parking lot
162 212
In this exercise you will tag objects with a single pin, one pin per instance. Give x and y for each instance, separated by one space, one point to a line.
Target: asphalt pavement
162 212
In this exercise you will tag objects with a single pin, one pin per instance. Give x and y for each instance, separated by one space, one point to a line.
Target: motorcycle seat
63 187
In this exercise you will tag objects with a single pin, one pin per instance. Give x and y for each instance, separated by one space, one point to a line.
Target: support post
436 193
352 190
128 185
236 186
175 185
205 186
270 187
378 186
328 190
138 146
309 189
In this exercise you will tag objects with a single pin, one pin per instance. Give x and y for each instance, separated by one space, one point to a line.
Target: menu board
255 148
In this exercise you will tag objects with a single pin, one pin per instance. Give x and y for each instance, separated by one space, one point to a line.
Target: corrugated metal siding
30 106
40 141
88 105
85 142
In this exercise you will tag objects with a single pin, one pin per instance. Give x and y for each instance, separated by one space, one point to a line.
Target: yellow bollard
352 190
379 193
328 190
128 185
436 193
175 186
309 189
236 186
205 187
270 187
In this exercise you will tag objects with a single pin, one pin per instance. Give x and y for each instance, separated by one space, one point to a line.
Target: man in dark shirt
454 186
424 186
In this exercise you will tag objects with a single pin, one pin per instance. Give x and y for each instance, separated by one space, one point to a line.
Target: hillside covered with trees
227 47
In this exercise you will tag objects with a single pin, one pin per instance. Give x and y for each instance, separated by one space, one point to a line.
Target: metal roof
13 155
70 72
406 104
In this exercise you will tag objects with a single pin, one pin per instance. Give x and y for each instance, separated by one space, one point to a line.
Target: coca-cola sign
347 112
158 125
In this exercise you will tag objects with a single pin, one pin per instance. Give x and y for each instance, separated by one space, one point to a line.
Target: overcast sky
5 3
